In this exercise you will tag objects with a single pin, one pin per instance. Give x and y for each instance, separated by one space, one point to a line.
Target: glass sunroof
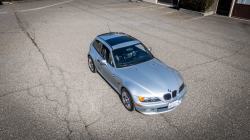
118 40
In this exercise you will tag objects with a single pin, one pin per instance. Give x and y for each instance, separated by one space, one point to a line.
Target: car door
108 70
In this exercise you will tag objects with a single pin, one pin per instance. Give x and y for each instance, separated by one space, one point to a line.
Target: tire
127 100
91 65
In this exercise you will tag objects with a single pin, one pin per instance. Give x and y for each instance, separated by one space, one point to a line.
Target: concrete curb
196 13
7 3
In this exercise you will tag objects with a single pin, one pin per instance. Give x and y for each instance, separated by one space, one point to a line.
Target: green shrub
197 5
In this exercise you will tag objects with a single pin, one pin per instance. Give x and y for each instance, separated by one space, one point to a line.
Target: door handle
113 75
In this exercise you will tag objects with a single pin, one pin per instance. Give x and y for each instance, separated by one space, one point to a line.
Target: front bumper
159 107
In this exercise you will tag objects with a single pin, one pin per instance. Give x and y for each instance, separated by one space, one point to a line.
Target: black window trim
110 50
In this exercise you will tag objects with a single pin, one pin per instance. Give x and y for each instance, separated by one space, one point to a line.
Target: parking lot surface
48 92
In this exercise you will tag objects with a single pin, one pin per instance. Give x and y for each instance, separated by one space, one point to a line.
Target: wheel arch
132 97
123 87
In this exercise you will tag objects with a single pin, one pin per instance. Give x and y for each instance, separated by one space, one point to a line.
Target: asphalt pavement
48 92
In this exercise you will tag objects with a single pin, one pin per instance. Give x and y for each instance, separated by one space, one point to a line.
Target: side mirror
150 49
104 62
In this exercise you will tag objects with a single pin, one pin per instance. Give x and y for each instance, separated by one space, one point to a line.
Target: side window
107 55
104 52
140 47
97 45
144 49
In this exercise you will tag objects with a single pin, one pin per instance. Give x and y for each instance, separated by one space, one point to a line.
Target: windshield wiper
140 61
124 65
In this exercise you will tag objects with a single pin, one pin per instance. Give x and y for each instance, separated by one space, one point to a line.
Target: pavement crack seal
102 114
141 31
70 131
33 41
13 92
67 104
216 59
19 91
144 32
68 111
174 126
84 123
149 25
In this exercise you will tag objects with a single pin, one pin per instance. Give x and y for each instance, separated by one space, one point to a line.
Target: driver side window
140 47
110 61
105 53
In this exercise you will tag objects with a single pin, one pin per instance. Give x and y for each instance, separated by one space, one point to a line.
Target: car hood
150 78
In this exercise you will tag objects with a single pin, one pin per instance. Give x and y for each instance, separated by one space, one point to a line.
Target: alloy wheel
126 100
91 65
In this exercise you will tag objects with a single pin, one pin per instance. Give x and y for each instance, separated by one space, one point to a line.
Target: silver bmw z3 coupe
144 82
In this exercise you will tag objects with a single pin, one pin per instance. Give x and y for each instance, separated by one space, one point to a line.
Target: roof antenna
108 27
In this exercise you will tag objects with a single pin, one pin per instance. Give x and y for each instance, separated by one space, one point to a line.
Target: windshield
131 55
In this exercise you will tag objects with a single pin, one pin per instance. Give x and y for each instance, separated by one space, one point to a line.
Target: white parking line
39 7
3 12
194 18
170 12
45 6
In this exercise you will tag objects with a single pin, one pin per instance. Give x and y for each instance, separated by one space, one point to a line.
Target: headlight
149 99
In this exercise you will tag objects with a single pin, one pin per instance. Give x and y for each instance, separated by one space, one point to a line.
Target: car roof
125 44
117 39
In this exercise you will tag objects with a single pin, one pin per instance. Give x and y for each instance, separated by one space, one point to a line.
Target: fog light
149 110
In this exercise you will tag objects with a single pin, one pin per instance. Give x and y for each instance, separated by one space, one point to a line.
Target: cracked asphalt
48 92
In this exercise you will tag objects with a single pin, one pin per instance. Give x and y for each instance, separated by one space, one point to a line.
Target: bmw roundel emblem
169 90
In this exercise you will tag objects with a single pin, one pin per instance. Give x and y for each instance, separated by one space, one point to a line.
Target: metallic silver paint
125 44
152 78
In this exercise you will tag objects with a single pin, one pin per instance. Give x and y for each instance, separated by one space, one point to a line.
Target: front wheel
127 100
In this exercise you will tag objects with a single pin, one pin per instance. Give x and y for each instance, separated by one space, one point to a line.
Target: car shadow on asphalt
115 90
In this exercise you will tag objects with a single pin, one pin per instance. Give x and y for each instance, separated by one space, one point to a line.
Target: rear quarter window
97 45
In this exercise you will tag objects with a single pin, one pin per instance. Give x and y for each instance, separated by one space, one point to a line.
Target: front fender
136 89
